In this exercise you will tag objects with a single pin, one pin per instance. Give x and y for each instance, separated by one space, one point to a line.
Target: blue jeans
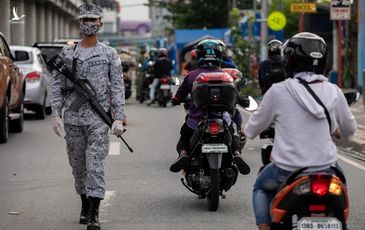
265 187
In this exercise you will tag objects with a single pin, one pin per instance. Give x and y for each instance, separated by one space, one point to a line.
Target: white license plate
164 86
319 223
214 148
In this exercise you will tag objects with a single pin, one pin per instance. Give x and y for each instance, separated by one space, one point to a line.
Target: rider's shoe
182 162
243 168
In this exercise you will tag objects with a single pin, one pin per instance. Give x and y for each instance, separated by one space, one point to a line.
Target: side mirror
175 80
351 95
248 103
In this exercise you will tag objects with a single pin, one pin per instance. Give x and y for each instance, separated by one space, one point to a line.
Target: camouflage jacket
102 68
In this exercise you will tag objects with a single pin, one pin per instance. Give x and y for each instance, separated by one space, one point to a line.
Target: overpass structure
25 22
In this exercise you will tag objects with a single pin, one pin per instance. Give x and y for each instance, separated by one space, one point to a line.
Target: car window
1 47
50 51
4 48
22 56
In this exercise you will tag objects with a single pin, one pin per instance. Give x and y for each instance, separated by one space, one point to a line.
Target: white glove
57 125
117 128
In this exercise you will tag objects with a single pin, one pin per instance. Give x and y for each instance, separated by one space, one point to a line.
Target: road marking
351 162
114 148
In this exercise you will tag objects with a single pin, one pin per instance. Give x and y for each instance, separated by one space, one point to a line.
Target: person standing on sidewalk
86 135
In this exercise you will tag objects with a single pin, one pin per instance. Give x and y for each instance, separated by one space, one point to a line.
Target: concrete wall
44 20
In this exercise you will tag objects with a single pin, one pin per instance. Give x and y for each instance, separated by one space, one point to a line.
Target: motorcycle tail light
164 80
302 188
214 128
33 76
320 186
335 187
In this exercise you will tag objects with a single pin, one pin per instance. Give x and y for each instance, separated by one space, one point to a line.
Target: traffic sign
340 10
303 7
276 21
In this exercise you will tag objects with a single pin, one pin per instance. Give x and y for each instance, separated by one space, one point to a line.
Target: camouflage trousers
87 148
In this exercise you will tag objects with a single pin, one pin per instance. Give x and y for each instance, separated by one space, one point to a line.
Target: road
36 185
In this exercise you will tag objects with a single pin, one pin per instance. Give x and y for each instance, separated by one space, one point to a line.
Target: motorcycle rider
162 68
271 70
209 57
297 145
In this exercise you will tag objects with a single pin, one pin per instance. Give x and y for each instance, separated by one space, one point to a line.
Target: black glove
175 101
243 101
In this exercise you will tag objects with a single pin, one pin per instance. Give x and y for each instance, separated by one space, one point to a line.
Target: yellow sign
276 21
303 7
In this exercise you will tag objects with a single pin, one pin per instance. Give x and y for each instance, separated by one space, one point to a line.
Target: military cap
90 11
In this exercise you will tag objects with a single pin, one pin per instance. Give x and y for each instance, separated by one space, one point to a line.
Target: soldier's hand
117 128
58 127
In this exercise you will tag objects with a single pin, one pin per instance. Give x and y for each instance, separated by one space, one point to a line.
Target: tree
195 14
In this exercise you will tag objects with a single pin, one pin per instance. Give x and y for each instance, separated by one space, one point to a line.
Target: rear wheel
214 191
4 122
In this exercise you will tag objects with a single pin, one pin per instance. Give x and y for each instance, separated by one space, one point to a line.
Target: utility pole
264 29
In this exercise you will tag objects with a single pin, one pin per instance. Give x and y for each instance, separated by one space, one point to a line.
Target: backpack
276 71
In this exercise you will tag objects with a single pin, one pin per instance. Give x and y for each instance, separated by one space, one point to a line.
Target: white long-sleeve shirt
302 137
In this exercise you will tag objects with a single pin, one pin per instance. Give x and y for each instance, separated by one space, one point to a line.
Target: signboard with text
303 7
340 10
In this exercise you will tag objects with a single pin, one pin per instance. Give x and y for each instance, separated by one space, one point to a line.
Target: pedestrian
86 135
303 127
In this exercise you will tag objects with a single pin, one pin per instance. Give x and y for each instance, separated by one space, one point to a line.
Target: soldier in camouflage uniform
87 136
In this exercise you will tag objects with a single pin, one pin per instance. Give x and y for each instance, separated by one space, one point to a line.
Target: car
37 75
49 49
12 91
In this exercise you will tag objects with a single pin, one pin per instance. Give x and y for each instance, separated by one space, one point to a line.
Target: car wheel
17 125
4 122
40 112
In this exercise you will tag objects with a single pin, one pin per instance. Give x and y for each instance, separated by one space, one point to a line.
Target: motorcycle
127 80
212 170
309 200
163 92
148 76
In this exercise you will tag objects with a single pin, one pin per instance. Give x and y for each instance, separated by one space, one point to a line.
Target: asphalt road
36 185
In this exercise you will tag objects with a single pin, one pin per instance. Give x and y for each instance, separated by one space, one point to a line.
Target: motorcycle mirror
253 105
176 80
351 95
139 65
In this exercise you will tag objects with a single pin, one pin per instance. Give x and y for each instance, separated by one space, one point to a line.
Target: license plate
164 86
319 223
214 148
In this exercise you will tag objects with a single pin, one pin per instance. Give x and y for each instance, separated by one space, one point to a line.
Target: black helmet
305 52
274 47
209 51
152 53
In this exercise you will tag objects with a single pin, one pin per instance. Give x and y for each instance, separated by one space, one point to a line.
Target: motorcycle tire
214 191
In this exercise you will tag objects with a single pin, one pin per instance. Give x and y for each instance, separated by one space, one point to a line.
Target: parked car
12 90
49 49
33 66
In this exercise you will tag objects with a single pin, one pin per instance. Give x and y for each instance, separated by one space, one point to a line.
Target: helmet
152 53
209 51
162 52
305 52
274 47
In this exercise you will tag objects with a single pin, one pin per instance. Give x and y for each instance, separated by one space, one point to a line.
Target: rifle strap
305 84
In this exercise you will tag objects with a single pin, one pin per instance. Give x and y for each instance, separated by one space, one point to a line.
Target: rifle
83 90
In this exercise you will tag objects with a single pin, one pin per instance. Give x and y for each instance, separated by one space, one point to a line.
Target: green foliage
196 14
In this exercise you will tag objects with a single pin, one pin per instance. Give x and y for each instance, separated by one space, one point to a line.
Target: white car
32 64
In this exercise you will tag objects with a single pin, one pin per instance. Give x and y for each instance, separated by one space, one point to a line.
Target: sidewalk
358 141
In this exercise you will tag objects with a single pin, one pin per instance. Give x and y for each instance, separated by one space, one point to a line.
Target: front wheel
214 191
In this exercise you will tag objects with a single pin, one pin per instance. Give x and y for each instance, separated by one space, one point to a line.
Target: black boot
84 209
93 219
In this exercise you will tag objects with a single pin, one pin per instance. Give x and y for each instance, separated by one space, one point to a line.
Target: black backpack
275 72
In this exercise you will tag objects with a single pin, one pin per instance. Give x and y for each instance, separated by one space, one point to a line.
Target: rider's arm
263 117
183 90
345 119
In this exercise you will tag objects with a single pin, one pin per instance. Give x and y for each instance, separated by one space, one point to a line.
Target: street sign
276 21
340 10
303 7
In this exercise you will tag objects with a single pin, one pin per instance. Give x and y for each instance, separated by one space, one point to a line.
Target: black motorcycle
127 80
212 170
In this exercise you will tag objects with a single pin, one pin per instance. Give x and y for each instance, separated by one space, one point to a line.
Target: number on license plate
319 223
165 87
214 148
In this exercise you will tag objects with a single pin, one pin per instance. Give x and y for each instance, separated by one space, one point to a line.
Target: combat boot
84 209
93 218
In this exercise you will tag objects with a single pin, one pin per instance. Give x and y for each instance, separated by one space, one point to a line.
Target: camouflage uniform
87 135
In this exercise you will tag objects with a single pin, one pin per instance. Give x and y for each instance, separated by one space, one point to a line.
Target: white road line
114 148
351 162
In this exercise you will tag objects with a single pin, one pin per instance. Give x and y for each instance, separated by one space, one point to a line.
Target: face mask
89 28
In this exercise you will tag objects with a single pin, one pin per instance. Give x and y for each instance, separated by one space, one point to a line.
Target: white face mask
89 28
